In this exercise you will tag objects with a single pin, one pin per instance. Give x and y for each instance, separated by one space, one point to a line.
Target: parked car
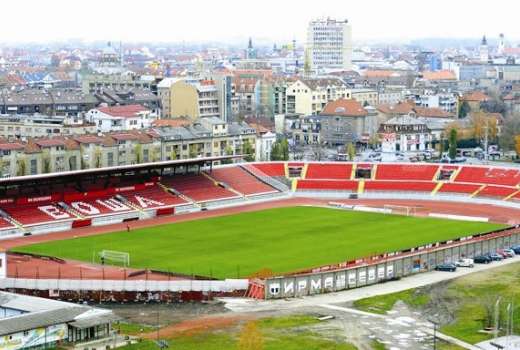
503 254
446 267
516 249
510 252
464 262
482 259
495 257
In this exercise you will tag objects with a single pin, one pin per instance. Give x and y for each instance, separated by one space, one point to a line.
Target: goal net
113 256
400 210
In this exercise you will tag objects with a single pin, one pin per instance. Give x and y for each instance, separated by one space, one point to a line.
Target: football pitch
282 240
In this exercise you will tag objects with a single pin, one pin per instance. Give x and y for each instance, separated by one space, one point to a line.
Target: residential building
367 97
344 121
21 126
194 99
95 82
129 96
309 96
121 118
164 94
46 101
329 44
475 99
404 134
29 322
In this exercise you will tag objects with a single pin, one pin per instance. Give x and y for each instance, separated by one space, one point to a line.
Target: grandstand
57 202
241 181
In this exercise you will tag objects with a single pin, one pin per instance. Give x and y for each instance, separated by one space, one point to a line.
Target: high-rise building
329 44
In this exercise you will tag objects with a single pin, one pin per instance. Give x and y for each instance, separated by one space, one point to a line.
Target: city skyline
231 21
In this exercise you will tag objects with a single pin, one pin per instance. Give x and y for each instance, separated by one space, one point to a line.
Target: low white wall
227 285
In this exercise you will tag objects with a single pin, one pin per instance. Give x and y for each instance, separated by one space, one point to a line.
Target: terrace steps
477 191
353 172
227 187
511 195
304 170
437 188
361 187
373 175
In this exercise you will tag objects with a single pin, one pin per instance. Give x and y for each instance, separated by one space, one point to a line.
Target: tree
154 154
280 150
173 155
248 151
138 150
250 337
464 109
229 152
46 162
452 151
21 166
517 145
351 151
97 157
510 129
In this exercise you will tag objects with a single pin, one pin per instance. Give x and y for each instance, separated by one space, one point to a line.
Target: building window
34 167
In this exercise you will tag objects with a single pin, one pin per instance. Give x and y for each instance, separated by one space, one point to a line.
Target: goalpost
400 209
115 257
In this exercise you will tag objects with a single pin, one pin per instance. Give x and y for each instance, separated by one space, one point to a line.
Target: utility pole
497 316
486 156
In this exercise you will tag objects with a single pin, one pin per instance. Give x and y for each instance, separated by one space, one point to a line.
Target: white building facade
329 44
121 118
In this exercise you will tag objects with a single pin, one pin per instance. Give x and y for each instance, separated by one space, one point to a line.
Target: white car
464 262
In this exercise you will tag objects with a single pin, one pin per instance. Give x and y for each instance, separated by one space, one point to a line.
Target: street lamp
435 325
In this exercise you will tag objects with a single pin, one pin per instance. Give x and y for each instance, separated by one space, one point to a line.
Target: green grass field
282 240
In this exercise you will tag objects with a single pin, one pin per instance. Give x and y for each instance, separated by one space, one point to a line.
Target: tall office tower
329 44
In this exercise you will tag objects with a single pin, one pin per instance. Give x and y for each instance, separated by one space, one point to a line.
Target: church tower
484 51
501 44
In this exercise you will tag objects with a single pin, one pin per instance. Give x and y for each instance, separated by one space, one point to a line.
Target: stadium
191 230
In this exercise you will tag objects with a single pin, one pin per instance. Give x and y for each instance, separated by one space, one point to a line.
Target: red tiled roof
88 139
345 108
49 142
476 96
171 122
431 112
124 137
439 75
11 146
128 111
398 108
380 73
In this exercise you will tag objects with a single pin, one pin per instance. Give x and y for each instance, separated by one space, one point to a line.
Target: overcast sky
229 20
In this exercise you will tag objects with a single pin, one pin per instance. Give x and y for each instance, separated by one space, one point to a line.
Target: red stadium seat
241 181
496 191
153 197
197 187
336 171
459 188
271 169
419 172
492 176
32 214
339 185
412 186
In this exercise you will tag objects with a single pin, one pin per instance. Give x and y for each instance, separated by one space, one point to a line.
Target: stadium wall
385 268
